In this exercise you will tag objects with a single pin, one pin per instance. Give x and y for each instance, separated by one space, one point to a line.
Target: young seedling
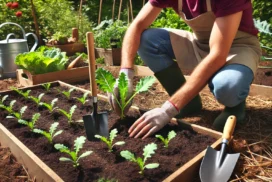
50 106
83 99
67 93
30 124
109 141
172 134
51 134
37 100
73 154
148 151
106 83
70 114
2 105
8 108
18 115
47 86
22 93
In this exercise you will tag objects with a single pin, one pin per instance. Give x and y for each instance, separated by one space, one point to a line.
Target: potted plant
108 41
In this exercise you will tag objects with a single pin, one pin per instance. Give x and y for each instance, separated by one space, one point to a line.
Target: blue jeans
230 85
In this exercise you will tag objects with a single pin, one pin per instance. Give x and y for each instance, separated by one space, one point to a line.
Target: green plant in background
52 132
50 106
21 92
100 60
83 99
18 115
47 86
37 100
148 151
106 83
78 144
171 135
109 141
138 60
30 124
67 94
62 38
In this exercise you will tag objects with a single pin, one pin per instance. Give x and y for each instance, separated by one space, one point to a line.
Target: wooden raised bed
42 172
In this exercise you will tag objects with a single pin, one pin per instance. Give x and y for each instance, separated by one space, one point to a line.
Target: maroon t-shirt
193 8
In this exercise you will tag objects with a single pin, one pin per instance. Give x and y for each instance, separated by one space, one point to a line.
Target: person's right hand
114 104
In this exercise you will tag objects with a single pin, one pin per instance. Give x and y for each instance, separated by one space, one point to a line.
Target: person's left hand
153 120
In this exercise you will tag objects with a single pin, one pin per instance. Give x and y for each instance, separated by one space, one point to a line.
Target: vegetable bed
101 163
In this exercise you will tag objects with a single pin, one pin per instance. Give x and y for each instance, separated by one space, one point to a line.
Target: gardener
223 51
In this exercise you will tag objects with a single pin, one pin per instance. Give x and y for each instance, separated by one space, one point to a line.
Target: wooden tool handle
91 58
73 63
229 127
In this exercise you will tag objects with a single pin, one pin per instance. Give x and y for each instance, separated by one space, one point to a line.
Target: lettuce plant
22 93
83 99
67 93
50 106
30 124
109 141
106 83
73 153
148 151
47 86
69 114
37 100
172 134
51 133
18 115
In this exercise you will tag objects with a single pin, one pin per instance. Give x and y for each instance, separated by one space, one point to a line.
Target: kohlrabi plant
83 99
47 86
17 115
51 134
22 93
67 93
69 114
106 83
30 124
109 141
172 134
50 106
37 100
8 108
79 142
148 151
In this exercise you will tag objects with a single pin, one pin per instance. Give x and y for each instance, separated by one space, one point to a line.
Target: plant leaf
79 143
85 154
57 133
105 80
144 84
123 88
128 155
64 159
152 166
53 127
113 134
149 150
172 134
120 143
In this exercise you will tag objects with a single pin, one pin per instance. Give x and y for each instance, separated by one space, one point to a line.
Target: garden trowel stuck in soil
95 123
218 165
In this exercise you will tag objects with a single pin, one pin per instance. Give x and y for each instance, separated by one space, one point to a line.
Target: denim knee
231 84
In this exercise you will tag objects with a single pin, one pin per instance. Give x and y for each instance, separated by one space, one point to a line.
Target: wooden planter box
25 78
42 172
111 56
70 49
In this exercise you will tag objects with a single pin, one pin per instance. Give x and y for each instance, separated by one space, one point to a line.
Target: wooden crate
42 172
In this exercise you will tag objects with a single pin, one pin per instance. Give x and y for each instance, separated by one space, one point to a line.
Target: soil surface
101 163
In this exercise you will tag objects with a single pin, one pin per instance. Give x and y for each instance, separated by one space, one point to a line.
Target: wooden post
127 12
120 7
143 3
113 8
79 16
37 31
131 10
75 34
100 9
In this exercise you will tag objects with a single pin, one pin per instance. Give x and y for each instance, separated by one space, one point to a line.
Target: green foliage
83 99
42 60
21 92
109 141
172 134
37 100
8 108
78 144
106 83
52 132
47 86
30 124
100 60
50 106
67 94
106 180
138 60
18 115
148 151
4 98
70 114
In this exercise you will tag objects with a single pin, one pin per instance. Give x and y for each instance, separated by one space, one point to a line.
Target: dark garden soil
101 163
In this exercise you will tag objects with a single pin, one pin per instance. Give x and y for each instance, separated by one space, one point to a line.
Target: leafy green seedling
109 141
18 115
70 114
106 83
83 99
22 93
3 99
73 154
47 86
172 134
106 180
148 151
50 106
8 108
51 134
30 124
67 93
37 100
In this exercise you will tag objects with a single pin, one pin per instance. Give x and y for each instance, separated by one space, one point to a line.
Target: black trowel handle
91 58
229 127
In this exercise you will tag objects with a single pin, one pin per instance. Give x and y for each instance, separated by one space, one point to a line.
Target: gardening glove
130 74
153 120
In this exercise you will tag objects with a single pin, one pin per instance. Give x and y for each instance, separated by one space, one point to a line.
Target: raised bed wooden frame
42 172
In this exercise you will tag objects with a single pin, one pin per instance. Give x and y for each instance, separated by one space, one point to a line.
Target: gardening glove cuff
170 109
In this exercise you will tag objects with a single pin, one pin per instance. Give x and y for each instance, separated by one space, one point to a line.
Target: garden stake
218 165
96 123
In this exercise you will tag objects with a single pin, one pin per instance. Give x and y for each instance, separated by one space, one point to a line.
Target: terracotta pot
112 57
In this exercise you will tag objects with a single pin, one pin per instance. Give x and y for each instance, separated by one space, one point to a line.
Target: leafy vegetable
47 86
172 134
50 106
67 93
30 124
37 100
22 93
18 115
148 151
109 141
106 83
83 99
8 108
73 154
51 134
70 114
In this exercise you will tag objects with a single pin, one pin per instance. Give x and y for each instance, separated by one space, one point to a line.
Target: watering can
10 48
